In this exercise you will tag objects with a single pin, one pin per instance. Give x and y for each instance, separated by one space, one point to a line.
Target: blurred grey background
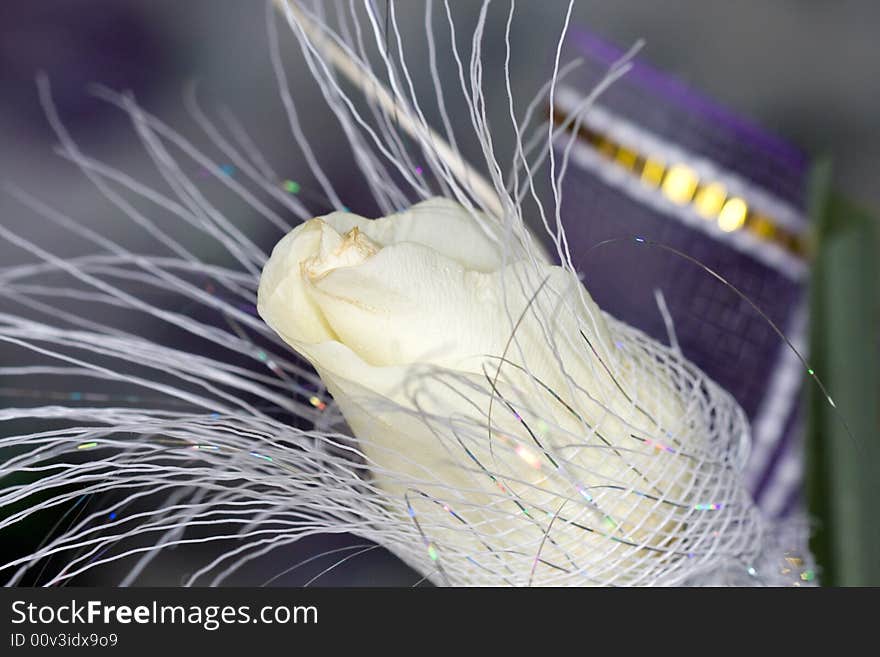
807 70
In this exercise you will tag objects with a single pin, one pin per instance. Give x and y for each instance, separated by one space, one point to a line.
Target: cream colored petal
411 304
438 223
423 458
444 226
281 299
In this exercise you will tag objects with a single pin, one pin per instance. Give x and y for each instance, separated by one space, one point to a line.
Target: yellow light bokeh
710 200
607 147
762 226
733 214
653 172
626 157
680 184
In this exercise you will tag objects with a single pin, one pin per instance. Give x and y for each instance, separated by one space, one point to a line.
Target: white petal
438 223
410 304
281 299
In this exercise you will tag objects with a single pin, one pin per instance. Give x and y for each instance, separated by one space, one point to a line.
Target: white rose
408 320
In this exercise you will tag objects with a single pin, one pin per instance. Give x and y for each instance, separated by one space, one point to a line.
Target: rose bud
526 436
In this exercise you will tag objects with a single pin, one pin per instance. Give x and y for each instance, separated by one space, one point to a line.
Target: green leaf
843 446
